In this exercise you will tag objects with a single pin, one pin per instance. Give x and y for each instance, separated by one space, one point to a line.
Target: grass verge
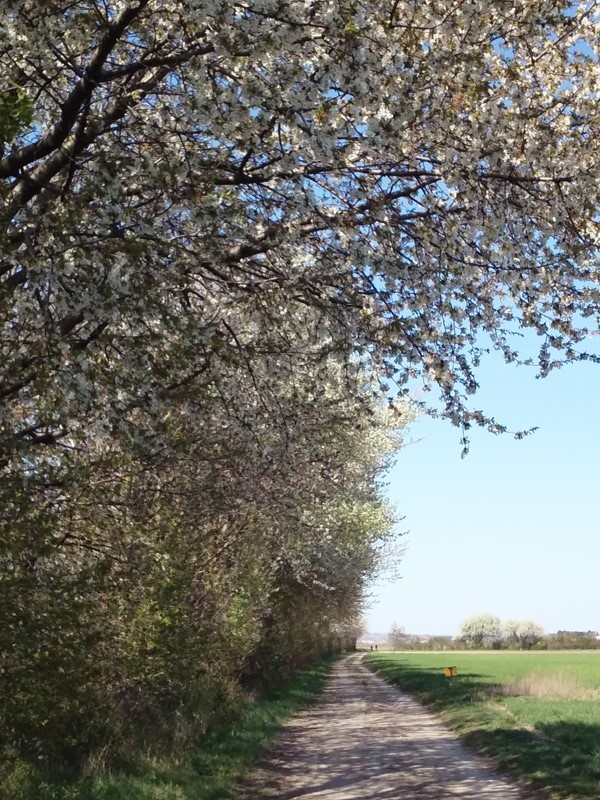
210 772
527 728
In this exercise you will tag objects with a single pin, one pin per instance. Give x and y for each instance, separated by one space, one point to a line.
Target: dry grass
540 684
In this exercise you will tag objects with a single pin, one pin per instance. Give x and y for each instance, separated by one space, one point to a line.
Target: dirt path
365 740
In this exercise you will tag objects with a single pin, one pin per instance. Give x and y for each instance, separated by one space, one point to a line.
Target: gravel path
365 740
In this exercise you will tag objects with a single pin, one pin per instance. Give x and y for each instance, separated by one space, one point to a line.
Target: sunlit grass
536 715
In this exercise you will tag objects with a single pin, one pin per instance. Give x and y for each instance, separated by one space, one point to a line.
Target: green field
535 714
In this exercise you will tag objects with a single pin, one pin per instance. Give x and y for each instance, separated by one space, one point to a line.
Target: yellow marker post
450 672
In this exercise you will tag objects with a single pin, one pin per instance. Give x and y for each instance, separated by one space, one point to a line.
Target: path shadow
367 742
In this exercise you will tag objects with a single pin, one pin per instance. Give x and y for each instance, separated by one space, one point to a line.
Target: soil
364 740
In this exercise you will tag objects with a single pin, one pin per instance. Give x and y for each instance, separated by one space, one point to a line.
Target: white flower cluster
286 186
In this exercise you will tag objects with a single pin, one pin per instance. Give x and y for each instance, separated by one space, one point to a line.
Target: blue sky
513 529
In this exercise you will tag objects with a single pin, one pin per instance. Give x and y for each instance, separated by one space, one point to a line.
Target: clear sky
513 529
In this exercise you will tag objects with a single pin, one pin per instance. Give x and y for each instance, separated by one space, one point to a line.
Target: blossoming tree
417 173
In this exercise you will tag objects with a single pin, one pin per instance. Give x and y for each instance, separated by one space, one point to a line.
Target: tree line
485 631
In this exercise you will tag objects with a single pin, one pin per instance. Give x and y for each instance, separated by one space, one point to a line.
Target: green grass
535 715
210 772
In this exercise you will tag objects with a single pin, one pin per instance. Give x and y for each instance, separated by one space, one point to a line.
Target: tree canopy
190 181
526 633
480 629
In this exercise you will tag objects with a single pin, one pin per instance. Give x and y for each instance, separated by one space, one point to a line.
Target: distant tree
397 637
480 629
510 631
573 640
530 633
523 633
